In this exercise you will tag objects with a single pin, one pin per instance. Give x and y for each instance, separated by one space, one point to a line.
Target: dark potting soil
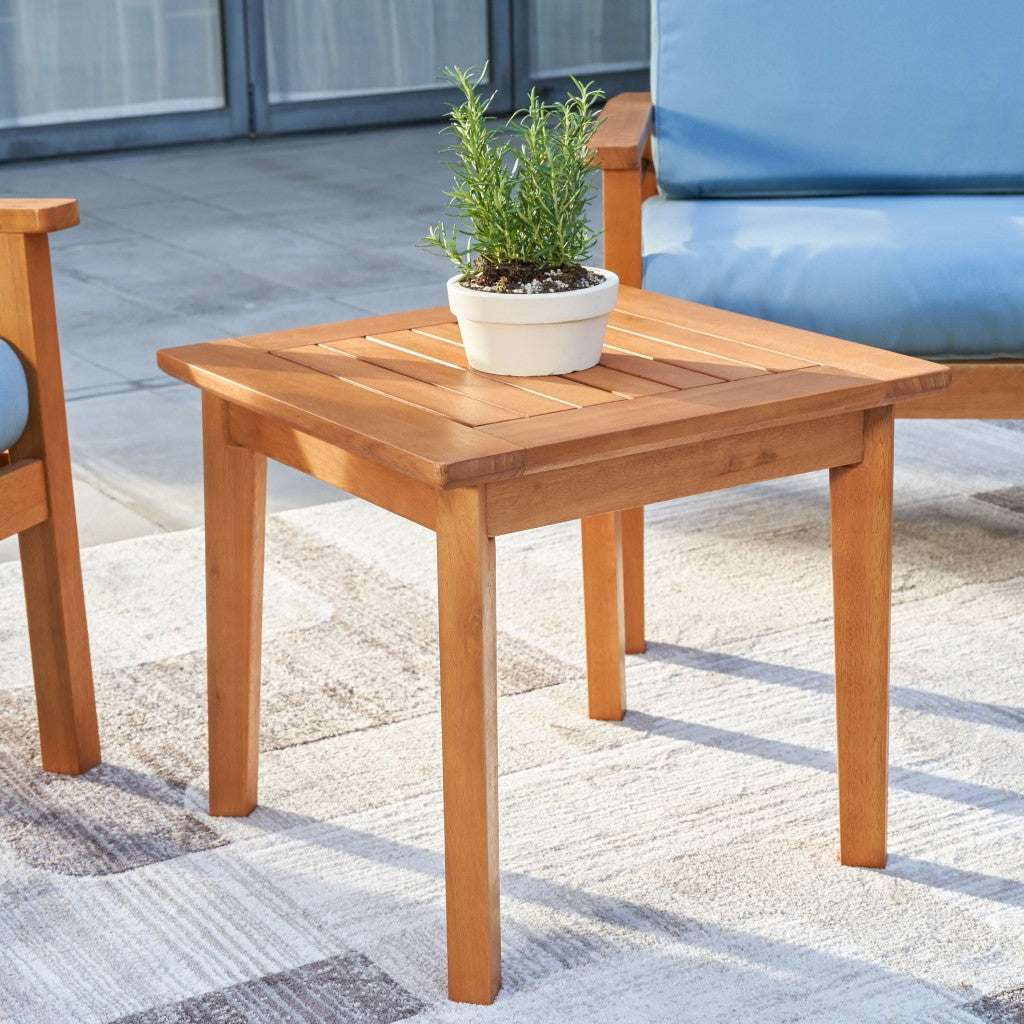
527 279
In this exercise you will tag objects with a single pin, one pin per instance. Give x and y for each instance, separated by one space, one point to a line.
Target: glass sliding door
577 38
110 71
353 48
607 41
69 61
84 75
330 62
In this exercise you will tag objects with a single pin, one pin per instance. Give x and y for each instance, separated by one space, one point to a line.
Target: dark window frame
247 110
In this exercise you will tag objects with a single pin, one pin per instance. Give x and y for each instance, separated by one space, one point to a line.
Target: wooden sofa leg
68 734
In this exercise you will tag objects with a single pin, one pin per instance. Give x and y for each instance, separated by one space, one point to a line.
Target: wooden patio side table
686 399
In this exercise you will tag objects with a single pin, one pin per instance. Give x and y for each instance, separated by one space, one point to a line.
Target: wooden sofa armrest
623 135
623 146
28 323
37 216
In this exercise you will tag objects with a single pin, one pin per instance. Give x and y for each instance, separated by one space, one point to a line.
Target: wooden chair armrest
37 216
622 139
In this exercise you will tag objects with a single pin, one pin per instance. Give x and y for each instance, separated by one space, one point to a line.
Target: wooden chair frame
36 497
991 389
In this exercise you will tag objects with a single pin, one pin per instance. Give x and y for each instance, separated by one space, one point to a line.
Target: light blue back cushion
13 397
939 276
819 97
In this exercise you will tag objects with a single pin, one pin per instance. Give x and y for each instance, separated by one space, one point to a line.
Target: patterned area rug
680 866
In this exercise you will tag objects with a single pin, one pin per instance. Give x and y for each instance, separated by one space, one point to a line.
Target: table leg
236 496
633 579
469 740
861 580
603 612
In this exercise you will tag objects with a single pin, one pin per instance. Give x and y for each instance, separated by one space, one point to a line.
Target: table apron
628 481
405 496
571 492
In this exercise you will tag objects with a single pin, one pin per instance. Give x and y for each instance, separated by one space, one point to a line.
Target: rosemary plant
521 190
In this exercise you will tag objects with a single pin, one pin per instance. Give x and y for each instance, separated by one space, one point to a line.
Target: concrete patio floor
192 243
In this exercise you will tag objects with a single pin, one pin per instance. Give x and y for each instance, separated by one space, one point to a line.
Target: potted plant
525 302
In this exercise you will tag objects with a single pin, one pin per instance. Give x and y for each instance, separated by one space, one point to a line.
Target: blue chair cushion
805 97
13 397
934 276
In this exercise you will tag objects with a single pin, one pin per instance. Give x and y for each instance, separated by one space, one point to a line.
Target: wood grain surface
398 390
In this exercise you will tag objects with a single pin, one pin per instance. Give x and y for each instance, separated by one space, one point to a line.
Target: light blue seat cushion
939 276
805 97
13 397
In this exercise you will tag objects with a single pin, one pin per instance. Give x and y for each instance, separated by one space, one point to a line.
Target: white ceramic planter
534 335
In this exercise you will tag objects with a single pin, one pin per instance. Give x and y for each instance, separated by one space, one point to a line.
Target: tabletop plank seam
383 374
541 385
463 386
718 356
723 337
619 383
461 365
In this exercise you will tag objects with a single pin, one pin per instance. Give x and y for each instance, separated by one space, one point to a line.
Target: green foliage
521 190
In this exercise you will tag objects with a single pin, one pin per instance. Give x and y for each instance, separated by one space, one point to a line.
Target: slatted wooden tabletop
398 389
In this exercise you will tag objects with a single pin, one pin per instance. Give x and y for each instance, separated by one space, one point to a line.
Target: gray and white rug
680 866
